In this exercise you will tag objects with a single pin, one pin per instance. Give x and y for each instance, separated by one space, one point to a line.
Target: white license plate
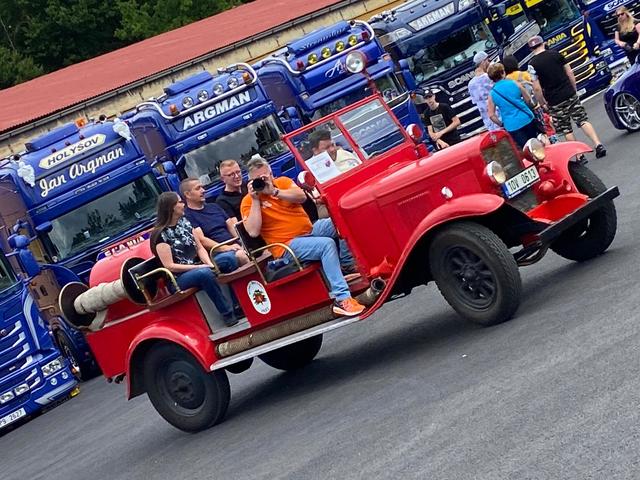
12 417
520 181
581 92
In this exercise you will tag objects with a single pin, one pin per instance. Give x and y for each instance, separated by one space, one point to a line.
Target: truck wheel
592 237
182 392
294 356
81 368
476 273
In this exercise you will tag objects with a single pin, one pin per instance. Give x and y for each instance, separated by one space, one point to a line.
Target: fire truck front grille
525 201
503 153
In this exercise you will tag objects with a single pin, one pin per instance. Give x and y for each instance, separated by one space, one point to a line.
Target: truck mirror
407 76
20 244
44 227
169 167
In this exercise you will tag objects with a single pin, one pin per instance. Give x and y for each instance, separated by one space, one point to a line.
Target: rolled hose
99 297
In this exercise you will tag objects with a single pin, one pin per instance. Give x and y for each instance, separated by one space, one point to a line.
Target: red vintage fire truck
466 217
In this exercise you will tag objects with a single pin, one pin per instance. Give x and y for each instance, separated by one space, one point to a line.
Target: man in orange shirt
275 212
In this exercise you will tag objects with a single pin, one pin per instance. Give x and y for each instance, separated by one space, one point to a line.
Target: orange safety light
246 77
173 109
80 122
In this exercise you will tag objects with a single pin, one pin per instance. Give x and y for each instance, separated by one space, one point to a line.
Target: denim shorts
226 261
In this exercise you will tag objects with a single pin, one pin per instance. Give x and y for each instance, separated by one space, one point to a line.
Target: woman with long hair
515 106
180 252
627 35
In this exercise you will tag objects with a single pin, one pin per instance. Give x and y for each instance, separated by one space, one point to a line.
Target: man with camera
273 209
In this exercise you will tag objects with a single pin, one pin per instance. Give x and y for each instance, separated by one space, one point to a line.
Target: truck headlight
52 367
6 397
20 389
496 173
534 150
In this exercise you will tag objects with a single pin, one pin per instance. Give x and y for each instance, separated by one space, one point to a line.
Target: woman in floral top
180 252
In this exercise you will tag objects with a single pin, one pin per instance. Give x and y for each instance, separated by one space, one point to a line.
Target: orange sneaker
348 307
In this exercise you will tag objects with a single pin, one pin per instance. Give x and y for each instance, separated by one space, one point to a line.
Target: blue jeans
226 261
321 245
204 279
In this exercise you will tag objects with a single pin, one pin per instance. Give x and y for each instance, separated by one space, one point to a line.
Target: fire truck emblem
258 296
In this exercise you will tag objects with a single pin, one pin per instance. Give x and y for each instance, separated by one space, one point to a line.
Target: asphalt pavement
413 392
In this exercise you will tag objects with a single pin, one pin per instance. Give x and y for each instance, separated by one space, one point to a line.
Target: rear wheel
182 392
476 273
294 356
592 236
627 108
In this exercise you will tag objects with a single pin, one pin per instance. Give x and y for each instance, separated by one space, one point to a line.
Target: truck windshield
553 14
262 137
388 85
110 215
7 277
448 52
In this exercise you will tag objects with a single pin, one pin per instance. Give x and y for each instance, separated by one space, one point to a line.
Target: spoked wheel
186 396
476 273
627 109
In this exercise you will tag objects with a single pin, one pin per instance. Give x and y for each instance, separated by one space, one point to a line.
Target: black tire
476 273
82 368
592 237
294 356
182 392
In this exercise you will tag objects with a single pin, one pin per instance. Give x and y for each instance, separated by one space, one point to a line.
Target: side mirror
169 167
20 244
306 180
44 227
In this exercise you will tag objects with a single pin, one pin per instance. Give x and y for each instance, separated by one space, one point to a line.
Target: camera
258 184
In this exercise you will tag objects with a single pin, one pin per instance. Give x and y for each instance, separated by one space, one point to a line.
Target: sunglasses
621 14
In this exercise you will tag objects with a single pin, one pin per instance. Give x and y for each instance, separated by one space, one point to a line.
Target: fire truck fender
194 340
559 155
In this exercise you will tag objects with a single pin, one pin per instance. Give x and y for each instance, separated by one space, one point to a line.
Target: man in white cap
558 84
479 88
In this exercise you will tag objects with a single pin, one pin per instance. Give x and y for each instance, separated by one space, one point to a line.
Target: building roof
77 83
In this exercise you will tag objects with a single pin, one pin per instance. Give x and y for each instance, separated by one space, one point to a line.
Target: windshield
262 137
107 216
7 277
328 153
553 14
388 85
450 51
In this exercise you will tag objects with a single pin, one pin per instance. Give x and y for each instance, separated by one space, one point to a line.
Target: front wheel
590 237
627 109
182 392
82 368
294 356
476 273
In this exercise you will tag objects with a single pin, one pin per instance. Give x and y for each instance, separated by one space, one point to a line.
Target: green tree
145 18
16 68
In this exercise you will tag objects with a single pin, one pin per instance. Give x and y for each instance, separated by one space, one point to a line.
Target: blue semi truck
309 74
74 192
33 373
204 119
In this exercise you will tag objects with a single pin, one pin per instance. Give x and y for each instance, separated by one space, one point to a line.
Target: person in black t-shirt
554 77
211 226
234 190
441 122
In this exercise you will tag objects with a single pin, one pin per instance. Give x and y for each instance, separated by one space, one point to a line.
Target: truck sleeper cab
408 218
204 119
80 188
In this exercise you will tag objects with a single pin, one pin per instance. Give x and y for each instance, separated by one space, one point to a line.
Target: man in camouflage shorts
555 77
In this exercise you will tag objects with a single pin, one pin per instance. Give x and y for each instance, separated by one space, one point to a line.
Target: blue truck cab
309 74
204 119
564 29
33 372
601 18
75 191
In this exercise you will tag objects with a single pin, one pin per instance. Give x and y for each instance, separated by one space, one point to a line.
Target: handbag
537 122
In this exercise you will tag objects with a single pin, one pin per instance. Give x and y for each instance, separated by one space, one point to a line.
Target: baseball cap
535 41
480 57
429 93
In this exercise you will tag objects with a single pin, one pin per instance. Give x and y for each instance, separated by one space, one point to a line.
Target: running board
282 342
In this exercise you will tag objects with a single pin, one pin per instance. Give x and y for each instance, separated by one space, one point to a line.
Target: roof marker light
187 102
365 36
312 58
218 89
352 40
246 77
233 82
203 95
173 109
339 46
325 52
300 65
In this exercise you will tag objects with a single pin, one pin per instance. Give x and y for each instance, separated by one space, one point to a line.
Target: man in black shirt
555 77
441 121
230 198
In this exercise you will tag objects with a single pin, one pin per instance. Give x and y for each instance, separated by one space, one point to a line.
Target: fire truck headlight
203 95
340 46
187 102
233 82
52 367
312 58
352 40
355 62
6 397
465 4
325 52
534 150
218 89
496 173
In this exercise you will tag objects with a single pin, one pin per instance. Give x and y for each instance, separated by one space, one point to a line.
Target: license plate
581 92
12 417
519 182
